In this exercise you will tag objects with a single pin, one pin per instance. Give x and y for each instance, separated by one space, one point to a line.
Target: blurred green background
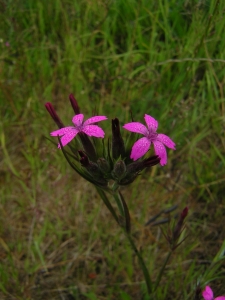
164 58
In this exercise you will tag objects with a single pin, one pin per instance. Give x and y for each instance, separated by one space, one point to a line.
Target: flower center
152 135
79 127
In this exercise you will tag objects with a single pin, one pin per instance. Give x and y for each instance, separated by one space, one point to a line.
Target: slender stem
118 202
107 203
162 270
142 264
125 213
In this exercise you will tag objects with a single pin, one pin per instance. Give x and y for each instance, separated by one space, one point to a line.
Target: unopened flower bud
118 148
54 115
138 166
174 232
74 104
119 169
128 179
184 213
103 165
92 169
88 146
84 159
133 169
179 226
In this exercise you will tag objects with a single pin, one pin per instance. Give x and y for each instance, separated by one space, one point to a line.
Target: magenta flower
150 136
208 294
70 132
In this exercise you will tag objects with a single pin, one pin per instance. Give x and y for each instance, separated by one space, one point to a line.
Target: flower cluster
101 163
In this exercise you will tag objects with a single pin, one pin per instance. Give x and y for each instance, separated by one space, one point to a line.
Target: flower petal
207 294
136 127
61 131
220 298
160 150
68 137
166 141
93 130
140 148
94 120
151 122
78 119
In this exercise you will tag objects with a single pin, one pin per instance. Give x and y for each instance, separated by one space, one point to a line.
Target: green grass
164 58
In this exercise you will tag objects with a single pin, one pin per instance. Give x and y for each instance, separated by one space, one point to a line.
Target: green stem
125 213
107 203
118 202
162 270
142 264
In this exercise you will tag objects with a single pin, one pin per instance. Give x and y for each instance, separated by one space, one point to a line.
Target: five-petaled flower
208 294
68 133
150 136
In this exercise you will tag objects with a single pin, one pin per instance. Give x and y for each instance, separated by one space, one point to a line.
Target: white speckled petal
93 130
140 148
94 119
151 122
78 120
136 127
61 131
166 141
160 150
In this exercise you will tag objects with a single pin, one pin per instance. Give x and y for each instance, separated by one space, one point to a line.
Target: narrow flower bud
88 146
128 179
118 148
136 167
184 213
103 165
54 115
179 226
74 104
119 169
133 169
84 159
92 169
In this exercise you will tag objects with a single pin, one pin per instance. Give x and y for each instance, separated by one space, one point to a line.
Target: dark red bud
88 146
93 169
179 226
54 115
184 213
138 166
74 104
84 159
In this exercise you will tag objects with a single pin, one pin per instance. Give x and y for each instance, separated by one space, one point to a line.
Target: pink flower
208 294
70 132
150 136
